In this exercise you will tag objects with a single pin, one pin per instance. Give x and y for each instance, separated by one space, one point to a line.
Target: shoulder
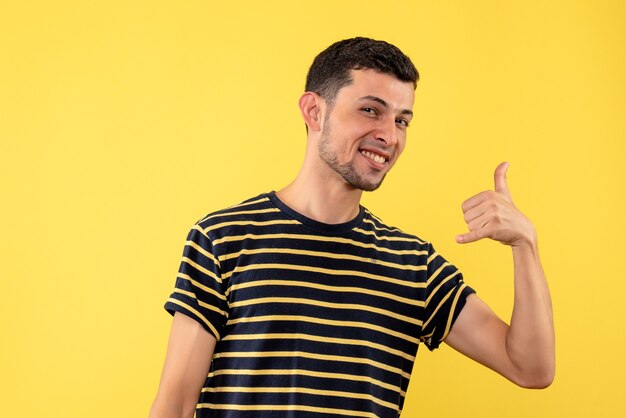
236 219
249 208
374 225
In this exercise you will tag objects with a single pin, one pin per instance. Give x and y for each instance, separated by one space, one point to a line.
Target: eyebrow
385 104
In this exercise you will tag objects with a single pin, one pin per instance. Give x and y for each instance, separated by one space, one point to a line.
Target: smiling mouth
374 157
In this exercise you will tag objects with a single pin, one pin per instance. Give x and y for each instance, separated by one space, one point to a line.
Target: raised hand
492 214
523 351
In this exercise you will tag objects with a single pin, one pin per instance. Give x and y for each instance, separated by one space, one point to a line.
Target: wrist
528 242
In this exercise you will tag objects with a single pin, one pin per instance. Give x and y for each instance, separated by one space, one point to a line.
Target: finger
477 211
471 236
476 200
479 222
499 178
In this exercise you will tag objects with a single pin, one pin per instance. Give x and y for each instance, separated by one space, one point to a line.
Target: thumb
499 178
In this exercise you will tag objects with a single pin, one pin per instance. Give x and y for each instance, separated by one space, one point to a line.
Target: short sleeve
445 297
199 292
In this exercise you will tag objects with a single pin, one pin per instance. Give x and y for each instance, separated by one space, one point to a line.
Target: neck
320 194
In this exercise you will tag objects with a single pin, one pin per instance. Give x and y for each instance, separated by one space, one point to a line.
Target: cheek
401 145
357 131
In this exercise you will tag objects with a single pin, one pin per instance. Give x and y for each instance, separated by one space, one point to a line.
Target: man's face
364 132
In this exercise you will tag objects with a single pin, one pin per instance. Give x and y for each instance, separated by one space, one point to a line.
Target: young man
301 303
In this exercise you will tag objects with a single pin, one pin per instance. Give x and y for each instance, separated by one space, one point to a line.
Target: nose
387 131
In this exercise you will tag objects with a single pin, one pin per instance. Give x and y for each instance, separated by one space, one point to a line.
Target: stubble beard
347 170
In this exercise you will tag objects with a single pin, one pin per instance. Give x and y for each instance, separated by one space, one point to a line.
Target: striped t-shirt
312 319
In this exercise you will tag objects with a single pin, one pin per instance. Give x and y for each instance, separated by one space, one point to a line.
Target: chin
366 186
370 187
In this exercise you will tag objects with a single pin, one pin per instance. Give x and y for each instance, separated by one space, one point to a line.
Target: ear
310 107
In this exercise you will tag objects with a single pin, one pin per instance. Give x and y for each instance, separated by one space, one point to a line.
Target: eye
369 110
402 122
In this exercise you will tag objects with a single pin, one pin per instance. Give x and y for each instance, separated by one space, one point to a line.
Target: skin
371 115
187 362
524 351
357 121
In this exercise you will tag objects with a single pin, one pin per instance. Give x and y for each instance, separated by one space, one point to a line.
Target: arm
524 351
187 362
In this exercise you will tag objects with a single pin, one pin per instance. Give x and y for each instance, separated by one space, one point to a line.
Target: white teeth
374 157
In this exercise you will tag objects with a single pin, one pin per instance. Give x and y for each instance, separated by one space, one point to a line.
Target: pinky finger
470 236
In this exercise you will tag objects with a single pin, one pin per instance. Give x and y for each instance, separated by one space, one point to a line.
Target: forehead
398 94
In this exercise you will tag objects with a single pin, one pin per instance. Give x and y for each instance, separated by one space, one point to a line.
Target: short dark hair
330 70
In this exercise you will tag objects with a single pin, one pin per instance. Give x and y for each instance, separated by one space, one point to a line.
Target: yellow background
122 123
